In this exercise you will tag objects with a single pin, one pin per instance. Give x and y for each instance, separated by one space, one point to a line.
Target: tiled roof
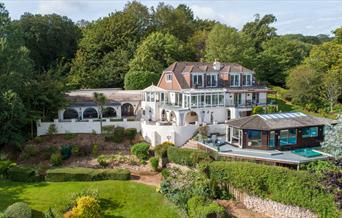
178 68
278 121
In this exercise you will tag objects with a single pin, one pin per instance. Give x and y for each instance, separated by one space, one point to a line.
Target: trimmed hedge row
186 156
23 174
276 183
86 174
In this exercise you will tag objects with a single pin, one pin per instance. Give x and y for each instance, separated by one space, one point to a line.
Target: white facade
161 115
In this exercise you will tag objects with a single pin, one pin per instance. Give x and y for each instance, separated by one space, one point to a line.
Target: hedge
186 156
280 184
86 174
4 166
23 174
141 150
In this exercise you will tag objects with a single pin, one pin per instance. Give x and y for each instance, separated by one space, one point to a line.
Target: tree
156 52
228 45
260 30
4 19
304 85
100 100
12 119
107 46
196 44
277 57
332 86
332 143
135 80
338 35
178 21
51 38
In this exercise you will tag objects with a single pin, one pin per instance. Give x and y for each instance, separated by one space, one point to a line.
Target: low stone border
270 208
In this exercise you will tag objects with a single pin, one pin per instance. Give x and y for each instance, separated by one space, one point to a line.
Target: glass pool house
278 131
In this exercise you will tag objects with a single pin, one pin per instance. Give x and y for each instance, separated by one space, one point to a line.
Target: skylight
282 115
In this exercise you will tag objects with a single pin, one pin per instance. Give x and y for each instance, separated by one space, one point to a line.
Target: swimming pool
306 152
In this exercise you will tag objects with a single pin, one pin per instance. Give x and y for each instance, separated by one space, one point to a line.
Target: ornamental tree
333 139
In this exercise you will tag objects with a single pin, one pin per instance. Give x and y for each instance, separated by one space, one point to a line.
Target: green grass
119 199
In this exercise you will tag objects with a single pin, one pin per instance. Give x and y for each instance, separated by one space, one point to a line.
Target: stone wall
270 208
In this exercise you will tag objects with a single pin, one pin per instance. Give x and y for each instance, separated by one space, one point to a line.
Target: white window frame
234 75
246 76
168 77
216 79
197 75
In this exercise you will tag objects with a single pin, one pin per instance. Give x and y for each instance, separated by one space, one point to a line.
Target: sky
308 17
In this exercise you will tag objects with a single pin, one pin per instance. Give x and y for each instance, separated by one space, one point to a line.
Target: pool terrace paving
269 155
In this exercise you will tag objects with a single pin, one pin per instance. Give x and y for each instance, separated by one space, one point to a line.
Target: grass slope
119 198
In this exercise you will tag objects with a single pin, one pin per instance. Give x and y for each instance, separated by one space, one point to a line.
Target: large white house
188 94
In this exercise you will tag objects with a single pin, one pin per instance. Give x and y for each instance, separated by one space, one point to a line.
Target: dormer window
234 79
168 78
247 80
197 80
212 80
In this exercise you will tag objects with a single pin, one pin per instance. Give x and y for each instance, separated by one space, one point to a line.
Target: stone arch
90 113
127 110
108 112
191 117
70 113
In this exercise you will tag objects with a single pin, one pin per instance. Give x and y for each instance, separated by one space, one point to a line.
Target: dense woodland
43 56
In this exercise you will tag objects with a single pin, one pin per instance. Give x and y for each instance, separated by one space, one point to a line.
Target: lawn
119 198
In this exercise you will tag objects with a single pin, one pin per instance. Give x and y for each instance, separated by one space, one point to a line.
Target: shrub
154 161
65 151
117 159
4 166
37 139
29 151
119 134
161 149
69 135
186 156
23 174
199 207
286 186
52 129
258 110
56 159
87 206
179 186
95 149
271 109
103 161
18 210
108 129
52 213
85 174
203 130
140 79
141 150
75 150
130 133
